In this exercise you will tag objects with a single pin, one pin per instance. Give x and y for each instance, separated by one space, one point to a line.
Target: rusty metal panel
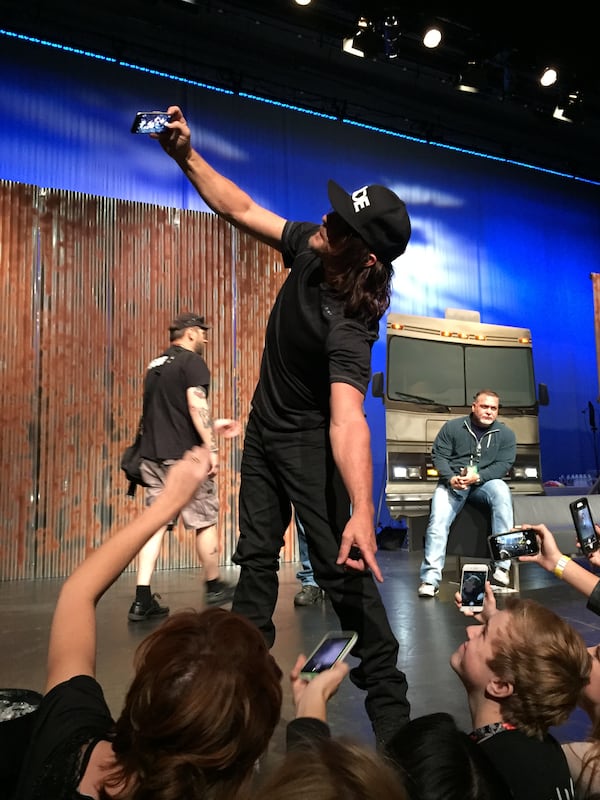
90 286
19 415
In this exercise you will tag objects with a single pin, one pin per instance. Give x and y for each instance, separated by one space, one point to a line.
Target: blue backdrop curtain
515 244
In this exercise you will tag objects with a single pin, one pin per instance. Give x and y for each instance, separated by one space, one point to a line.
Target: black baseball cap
378 216
188 320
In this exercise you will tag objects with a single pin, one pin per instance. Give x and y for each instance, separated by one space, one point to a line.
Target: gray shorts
202 510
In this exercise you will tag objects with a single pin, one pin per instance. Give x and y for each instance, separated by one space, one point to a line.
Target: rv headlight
401 472
525 473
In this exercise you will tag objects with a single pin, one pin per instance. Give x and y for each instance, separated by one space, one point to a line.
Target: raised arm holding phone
179 733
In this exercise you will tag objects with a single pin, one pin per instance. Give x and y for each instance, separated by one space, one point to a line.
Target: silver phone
334 646
472 587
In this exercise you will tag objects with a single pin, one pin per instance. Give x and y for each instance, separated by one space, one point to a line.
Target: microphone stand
595 489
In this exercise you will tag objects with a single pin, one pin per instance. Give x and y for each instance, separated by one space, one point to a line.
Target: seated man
523 670
472 455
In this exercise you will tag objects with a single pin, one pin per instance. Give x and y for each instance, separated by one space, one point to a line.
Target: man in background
472 455
176 417
310 593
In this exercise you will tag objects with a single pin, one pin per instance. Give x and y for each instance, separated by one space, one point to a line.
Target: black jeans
279 468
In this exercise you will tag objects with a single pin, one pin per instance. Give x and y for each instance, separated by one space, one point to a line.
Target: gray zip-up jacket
456 446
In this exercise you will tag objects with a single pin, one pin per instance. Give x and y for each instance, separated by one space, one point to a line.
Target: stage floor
428 631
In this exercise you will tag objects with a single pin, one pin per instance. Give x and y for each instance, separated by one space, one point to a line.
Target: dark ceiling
294 54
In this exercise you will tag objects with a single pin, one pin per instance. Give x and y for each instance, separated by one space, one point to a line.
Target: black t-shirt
71 715
309 343
305 731
168 427
534 769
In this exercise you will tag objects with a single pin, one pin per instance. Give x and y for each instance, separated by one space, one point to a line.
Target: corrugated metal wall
89 287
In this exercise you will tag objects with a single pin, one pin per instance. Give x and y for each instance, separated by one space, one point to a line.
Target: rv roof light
524 340
396 326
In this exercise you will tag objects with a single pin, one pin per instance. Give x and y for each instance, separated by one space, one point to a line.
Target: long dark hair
364 289
200 711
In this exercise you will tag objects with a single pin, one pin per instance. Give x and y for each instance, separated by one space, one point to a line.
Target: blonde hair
330 769
547 663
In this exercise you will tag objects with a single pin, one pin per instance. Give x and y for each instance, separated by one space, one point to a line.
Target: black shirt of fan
309 343
534 769
168 427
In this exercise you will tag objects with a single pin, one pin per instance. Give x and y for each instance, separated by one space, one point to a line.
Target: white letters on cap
360 199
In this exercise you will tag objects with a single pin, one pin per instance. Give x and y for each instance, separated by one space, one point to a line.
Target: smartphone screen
150 122
584 525
472 586
333 647
513 544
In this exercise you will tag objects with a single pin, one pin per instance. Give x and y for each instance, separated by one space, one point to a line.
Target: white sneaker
427 590
501 575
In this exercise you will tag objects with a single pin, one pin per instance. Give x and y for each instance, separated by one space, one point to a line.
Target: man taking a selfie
307 440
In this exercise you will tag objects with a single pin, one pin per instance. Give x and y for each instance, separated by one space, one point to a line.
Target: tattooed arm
203 422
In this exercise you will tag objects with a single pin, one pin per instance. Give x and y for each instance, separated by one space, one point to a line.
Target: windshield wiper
416 398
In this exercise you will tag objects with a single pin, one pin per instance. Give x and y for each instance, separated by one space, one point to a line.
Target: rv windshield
451 373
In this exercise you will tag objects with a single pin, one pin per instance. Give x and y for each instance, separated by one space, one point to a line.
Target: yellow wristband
560 566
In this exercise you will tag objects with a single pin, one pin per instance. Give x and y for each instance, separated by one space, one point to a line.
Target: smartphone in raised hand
584 525
150 122
472 586
513 544
334 646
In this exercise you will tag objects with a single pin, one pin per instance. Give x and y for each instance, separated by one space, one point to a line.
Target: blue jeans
305 575
445 505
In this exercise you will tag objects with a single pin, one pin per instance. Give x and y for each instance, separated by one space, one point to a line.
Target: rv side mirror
543 396
377 384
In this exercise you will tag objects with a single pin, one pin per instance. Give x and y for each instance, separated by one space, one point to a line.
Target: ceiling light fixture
569 108
365 43
473 78
549 76
432 37
391 36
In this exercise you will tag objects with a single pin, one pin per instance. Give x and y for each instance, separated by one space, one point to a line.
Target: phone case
512 544
584 525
